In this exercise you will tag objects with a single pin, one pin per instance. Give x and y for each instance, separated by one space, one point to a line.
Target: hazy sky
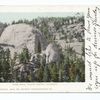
9 17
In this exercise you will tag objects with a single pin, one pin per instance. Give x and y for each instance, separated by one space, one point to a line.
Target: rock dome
17 36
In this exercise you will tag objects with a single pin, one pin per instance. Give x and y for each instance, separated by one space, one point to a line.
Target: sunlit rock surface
17 36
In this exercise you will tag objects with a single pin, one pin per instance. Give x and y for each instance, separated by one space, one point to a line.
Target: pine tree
1 67
54 73
7 63
5 68
66 72
24 57
60 75
40 74
46 74
7 54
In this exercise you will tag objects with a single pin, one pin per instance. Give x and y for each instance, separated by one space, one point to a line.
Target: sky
9 17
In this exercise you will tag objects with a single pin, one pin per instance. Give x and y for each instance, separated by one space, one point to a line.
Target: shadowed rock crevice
7 45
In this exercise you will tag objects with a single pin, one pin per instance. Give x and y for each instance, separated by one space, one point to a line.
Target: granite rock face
52 53
17 36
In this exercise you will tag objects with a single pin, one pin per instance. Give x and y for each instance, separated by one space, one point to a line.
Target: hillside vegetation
67 36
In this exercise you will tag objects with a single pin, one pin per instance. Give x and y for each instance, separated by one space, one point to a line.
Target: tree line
69 69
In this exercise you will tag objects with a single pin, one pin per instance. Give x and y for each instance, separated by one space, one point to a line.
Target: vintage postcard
50 48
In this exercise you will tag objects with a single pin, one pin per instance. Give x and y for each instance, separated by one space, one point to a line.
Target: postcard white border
49 87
